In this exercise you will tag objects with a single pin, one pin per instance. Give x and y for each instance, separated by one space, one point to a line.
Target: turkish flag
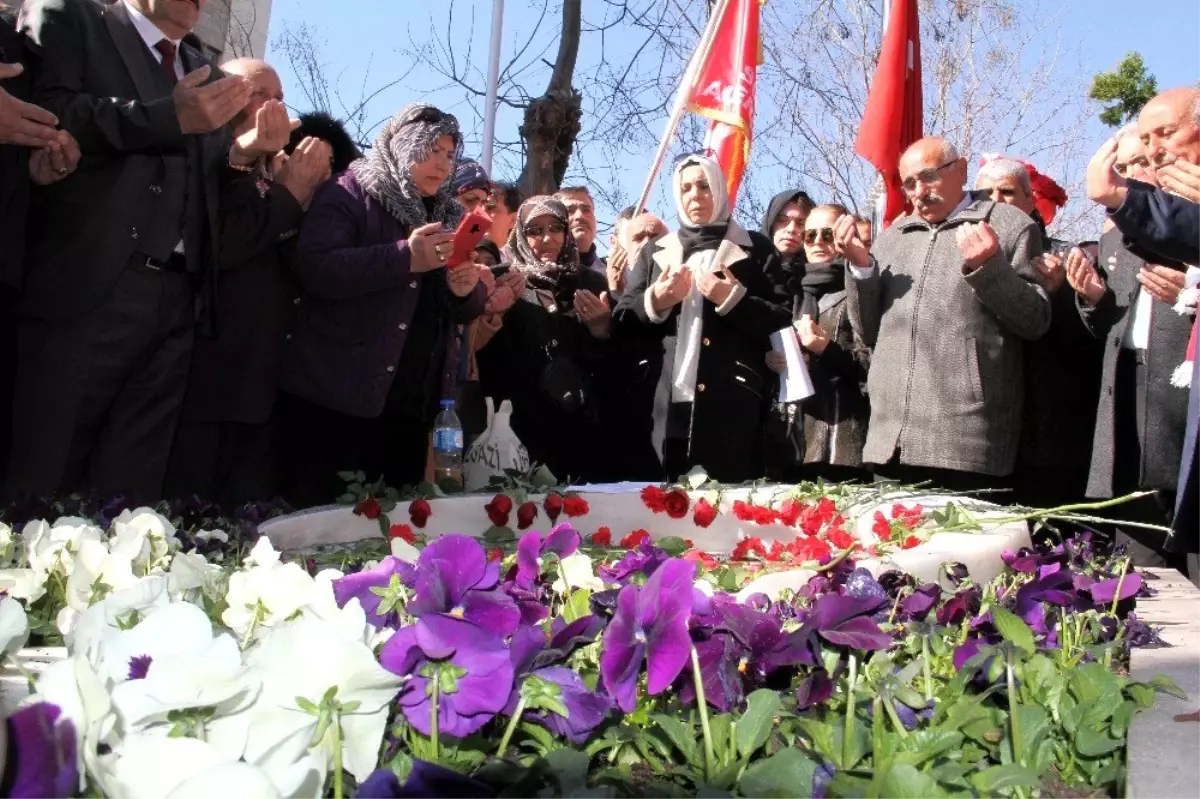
723 89
892 119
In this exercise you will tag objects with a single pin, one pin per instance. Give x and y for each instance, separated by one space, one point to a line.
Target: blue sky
368 43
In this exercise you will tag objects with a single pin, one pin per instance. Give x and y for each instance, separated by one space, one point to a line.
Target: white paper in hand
794 383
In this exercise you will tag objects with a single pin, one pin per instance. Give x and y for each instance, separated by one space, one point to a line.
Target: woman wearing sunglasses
704 293
551 348
835 418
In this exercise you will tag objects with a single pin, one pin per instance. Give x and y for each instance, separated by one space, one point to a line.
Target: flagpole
489 115
681 98
880 210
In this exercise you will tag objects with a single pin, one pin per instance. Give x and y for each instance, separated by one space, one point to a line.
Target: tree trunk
552 121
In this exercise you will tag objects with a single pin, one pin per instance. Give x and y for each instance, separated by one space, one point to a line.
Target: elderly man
224 448
1062 369
582 211
947 298
1167 227
109 311
632 232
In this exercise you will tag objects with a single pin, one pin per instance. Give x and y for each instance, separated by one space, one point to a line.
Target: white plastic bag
496 450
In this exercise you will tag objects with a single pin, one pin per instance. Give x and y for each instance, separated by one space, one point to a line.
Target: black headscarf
776 206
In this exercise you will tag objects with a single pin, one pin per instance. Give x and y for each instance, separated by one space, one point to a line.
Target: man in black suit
31 150
224 450
118 252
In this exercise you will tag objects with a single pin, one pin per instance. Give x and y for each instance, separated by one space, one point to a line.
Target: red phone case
471 230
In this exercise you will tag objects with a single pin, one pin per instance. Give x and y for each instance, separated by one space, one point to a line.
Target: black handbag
562 382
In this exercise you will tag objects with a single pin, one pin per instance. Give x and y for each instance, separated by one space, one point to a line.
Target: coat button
412 285
706 342
700 387
297 301
404 326
391 369
288 337
133 234
156 189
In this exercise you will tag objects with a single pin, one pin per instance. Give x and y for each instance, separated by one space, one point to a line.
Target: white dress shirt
151 35
1137 334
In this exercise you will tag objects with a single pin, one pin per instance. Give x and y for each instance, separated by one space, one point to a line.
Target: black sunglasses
825 234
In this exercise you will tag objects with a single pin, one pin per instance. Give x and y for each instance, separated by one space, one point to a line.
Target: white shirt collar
150 33
963 203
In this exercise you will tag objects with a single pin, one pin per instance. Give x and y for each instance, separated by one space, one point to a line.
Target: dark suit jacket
1166 405
89 67
14 162
1186 525
235 375
1162 223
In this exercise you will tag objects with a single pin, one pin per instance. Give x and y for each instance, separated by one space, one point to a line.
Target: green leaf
543 478
1122 718
754 727
1164 684
999 778
1090 743
1013 629
821 735
499 535
786 773
726 777
722 732
672 545
1142 694
578 606
922 746
347 477
903 781
682 735
570 768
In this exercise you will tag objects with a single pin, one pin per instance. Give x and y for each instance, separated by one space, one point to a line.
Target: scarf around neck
818 281
385 172
559 277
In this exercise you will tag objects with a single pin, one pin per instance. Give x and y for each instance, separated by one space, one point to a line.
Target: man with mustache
947 297
582 209
122 255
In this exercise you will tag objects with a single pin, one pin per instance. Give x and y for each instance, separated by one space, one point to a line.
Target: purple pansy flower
651 624
737 656
917 605
360 586
41 754
425 779
455 578
476 673
643 560
814 689
1055 587
959 607
838 620
562 541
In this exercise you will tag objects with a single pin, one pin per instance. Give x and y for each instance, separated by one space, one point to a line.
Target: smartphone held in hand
471 230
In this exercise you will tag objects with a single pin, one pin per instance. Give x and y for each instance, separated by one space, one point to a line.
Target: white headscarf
690 329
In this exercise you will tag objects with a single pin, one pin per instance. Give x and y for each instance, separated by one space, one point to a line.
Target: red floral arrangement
901 524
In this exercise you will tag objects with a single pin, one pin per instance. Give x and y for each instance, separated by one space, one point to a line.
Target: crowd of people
201 297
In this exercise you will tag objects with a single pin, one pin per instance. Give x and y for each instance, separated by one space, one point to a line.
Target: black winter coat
733 385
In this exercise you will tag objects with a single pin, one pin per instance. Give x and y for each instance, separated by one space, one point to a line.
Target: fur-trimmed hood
324 127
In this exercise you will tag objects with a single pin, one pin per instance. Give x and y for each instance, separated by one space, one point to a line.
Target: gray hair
1129 130
1000 168
950 152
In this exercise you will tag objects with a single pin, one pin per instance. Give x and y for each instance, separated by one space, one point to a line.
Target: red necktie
167 50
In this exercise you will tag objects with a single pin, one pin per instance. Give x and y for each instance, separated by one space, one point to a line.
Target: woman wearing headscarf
703 291
833 426
551 348
374 348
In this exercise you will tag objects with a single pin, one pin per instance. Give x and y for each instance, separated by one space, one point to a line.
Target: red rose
910 542
839 537
882 528
502 503
419 512
602 537
654 498
747 547
789 511
743 512
704 513
498 510
495 554
526 514
764 515
810 549
677 503
553 506
634 539
403 532
369 507
575 506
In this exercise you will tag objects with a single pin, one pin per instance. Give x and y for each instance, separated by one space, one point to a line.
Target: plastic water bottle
448 446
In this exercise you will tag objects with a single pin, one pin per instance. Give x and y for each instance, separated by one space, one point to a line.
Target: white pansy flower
155 766
14 627
402 550
52 548
190 573
7 548
212 535
25 584
578 571
80 694
228 779
263 596
281 731
171 661
97 573
263 554
118 610
146 532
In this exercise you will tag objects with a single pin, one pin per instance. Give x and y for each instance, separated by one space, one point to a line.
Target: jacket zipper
912 351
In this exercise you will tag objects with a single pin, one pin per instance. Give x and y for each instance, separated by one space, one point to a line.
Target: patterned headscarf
559 276
385 173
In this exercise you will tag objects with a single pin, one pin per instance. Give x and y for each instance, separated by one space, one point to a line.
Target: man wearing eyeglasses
1062 369
947 297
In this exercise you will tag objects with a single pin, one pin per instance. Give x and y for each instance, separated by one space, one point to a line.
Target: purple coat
359 299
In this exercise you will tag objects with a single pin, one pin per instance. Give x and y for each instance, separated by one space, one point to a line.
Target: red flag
892 119
723 90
